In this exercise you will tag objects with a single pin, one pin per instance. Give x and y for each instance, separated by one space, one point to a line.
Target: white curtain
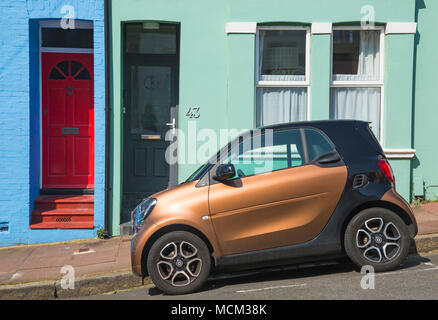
360 103
357 104
281 105
368 60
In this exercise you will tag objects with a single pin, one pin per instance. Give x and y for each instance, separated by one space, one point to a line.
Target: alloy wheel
179 263
378 240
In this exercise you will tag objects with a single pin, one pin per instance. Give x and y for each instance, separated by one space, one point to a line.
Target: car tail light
386 170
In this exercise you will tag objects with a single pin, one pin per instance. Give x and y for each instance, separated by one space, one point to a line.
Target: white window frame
361 83
285 83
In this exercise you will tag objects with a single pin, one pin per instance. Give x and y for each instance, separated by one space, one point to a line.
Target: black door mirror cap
224 172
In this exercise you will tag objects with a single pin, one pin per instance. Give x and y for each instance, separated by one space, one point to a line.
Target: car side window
317 144
269 152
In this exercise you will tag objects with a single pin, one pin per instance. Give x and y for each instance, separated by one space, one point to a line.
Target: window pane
83 75
282 55
56 75
150 99
67 38
276 151
281 105
161 40
356 55
357 104
317 144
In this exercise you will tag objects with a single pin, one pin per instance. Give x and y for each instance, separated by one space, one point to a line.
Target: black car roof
317 124
353 139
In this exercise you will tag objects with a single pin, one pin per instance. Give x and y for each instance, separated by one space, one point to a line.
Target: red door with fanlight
67 121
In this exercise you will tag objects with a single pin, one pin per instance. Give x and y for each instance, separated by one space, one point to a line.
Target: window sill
356 83
399 153
282 84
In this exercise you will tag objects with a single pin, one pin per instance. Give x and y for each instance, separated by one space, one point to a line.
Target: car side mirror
224 172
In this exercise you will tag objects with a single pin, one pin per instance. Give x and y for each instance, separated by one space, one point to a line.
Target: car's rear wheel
377 237
179 262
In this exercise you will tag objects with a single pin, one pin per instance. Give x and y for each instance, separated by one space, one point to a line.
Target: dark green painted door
150 100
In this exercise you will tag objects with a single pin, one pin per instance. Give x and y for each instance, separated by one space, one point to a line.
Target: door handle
172 125
150 137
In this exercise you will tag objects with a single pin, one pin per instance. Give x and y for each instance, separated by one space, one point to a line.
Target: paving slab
94 269
11 259
427 217
431 207
31 275
123 261
49 256
99 252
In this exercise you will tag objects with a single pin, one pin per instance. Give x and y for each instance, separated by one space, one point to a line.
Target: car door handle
172 125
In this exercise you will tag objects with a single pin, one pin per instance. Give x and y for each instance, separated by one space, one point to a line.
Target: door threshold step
63 212
65 199
65 225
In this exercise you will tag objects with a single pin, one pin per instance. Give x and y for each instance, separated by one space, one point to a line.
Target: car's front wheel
179 262
377 237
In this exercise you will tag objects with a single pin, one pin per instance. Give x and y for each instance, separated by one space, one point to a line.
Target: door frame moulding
79 24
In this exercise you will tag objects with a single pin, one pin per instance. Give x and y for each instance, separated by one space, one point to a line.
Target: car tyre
179 262
377 237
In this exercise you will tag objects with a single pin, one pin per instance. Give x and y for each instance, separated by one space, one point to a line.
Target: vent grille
360 181
63 219
4 226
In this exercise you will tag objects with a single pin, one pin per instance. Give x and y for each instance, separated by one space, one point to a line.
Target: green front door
150 100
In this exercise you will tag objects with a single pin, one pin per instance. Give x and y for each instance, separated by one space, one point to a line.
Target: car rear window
317 144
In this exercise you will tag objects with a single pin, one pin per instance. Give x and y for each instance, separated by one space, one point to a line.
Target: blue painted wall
20 116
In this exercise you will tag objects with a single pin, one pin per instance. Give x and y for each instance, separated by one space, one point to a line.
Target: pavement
427 217
415 279
36 271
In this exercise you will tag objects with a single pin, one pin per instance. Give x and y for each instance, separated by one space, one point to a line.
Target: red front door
67 120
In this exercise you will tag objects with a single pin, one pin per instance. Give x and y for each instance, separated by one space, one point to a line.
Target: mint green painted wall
397 107
316 10
425 164
320 76
217 70
399 57
402 172
240 83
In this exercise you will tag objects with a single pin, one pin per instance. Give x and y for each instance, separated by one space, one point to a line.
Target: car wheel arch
374 204
170 228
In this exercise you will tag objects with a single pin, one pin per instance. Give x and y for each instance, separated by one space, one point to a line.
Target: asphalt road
417 278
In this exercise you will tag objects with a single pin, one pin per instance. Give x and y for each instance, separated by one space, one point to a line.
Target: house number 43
193 113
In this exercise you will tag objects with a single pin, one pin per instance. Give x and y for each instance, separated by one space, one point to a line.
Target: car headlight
140 213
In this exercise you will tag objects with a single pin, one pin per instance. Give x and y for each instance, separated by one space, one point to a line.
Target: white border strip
399 153
66 50
321 27
401 27
241 27
79 24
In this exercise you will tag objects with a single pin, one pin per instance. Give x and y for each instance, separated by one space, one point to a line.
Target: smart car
278 195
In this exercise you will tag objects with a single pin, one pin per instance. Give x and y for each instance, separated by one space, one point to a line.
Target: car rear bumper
392 196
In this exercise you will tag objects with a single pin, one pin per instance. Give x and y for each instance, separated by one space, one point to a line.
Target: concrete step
63 212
